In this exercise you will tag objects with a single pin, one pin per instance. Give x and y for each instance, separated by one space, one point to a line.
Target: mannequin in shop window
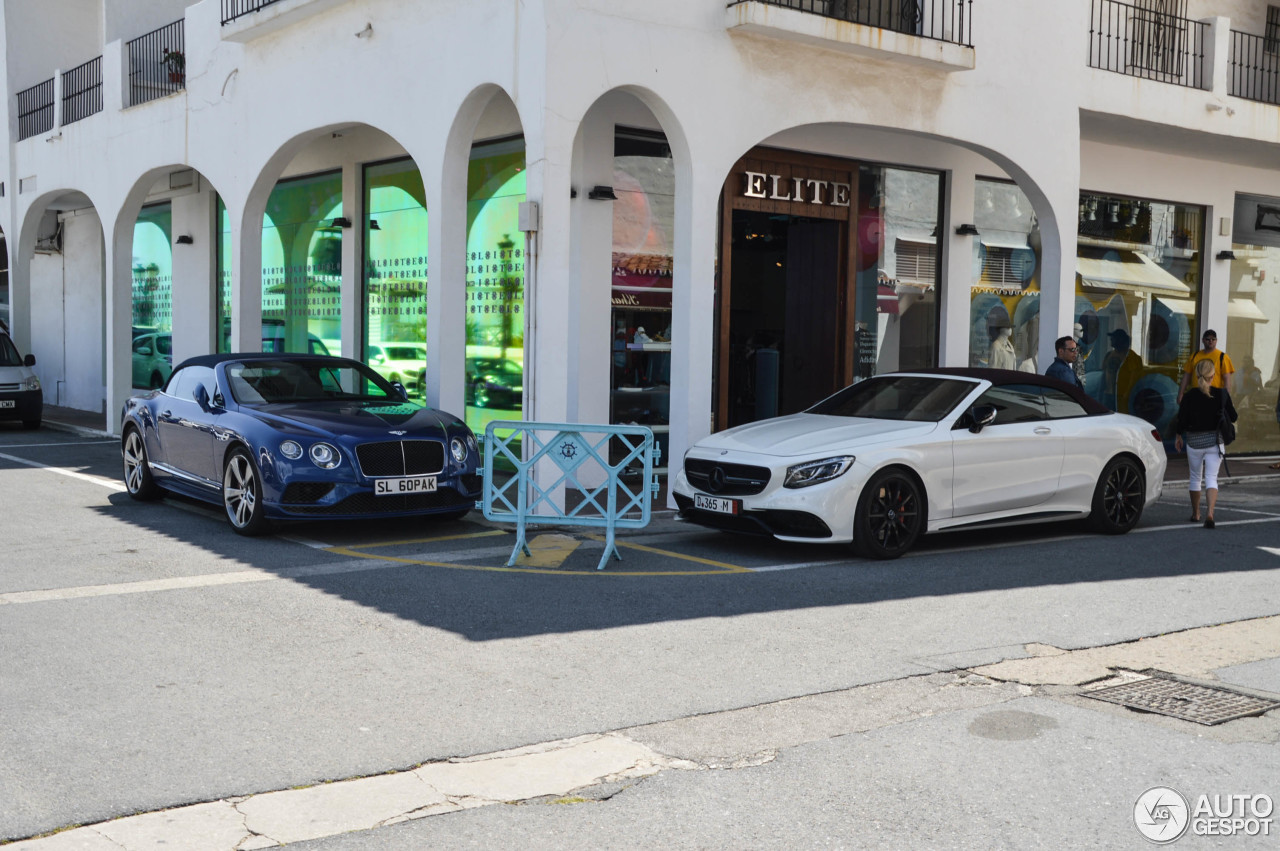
1029 345
1002 354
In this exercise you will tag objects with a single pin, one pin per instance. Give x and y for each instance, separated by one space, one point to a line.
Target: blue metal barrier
569 449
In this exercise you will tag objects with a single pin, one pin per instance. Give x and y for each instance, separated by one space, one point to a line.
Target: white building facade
683 213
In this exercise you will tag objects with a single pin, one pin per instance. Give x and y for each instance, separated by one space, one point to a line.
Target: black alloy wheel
1119 498
242 494
890 515
137 472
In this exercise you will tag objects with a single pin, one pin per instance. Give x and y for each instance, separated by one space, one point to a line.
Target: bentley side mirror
404 394
983 416
201 395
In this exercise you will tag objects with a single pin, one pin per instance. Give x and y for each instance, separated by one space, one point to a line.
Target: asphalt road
151 658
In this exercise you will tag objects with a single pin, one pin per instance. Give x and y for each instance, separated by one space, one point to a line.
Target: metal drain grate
1163 694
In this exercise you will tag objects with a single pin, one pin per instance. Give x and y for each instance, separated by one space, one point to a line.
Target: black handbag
1226 428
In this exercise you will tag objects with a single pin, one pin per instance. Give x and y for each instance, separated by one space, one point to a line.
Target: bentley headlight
30 383
291 449
816 472
325 456
458 447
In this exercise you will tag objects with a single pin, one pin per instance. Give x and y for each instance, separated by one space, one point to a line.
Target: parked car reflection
495 383
152 359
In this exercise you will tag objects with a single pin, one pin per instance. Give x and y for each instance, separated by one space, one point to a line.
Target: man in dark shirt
1061 368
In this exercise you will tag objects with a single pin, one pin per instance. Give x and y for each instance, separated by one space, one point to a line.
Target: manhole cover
1164 695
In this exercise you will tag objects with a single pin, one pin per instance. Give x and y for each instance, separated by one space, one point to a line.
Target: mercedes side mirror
983 416
29 360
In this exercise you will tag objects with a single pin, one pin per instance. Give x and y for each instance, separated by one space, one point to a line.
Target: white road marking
208 580
84 477
67 443
772 567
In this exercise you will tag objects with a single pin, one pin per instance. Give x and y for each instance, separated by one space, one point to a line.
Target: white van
20 395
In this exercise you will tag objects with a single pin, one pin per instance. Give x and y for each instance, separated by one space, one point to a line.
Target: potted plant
176 63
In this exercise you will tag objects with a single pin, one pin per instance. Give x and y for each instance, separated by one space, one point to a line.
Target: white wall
431 78
83 309
49 34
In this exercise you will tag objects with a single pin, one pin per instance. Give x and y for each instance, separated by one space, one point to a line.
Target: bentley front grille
401 458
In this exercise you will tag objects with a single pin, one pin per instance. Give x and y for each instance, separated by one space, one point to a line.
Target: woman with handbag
1201 415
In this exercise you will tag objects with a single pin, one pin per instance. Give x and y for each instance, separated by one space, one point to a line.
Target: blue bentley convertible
278 436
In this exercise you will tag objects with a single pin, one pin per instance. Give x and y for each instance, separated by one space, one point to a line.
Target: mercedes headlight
326 456
291 449
816 472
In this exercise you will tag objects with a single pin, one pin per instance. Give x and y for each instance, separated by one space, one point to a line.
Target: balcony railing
1145 43
942 20
35 110
1254 66
82 91
232 9
157 63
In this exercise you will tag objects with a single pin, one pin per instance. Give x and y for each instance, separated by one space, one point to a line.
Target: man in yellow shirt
1223 369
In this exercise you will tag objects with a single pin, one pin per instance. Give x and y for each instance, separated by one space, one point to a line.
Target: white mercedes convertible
895 456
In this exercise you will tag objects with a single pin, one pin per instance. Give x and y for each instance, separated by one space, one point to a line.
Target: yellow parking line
732 568
355 552
489 534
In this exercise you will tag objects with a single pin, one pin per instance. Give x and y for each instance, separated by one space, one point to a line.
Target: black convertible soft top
1010 376
225 357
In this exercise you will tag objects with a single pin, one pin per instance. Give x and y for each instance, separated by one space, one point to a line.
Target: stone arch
314 288
55 295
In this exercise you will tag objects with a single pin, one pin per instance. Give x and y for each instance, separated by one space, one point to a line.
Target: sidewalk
1239 468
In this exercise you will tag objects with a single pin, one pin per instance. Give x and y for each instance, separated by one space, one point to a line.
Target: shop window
495 284
1252 337
302 265
1004 304
222 279
896 287
643 234
152 313
395 273
1138 273
4 278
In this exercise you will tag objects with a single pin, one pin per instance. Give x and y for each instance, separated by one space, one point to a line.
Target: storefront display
222 278
1004 305
302 234
1138 272
395 273
1253 321
643 232
152 311
495 284
829 275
